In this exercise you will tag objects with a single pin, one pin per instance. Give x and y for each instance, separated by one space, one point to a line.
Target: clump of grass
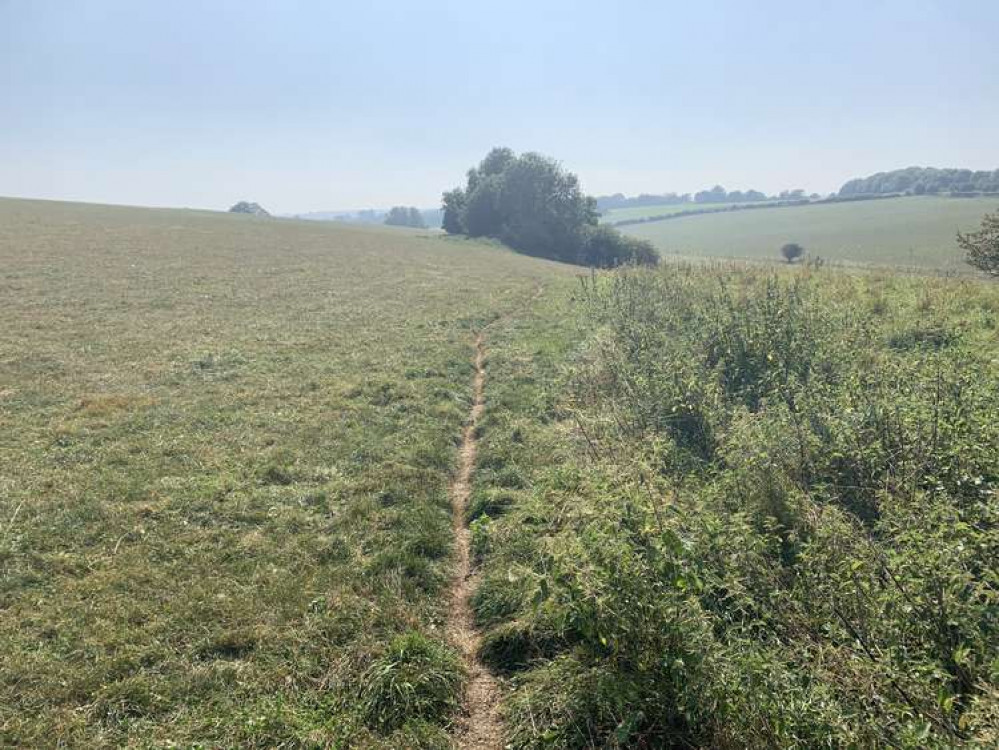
416 679
490 501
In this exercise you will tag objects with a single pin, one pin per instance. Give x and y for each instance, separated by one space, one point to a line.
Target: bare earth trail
481 727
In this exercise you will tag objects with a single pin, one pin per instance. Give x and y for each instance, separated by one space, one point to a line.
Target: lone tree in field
532 204
982 247
245 207
792 251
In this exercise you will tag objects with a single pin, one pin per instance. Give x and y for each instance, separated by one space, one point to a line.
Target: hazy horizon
308 107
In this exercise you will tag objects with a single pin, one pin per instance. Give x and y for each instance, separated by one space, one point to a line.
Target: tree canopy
246 207
792 251
532 204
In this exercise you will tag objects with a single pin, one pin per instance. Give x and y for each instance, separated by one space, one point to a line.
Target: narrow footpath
480 727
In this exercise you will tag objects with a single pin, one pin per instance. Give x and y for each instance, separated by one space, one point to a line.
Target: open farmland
916 231
225 444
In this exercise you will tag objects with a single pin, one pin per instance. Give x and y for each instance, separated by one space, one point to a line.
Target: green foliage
924 180
982 247
792 251
775 526
246 207
532 204
401 216
604 247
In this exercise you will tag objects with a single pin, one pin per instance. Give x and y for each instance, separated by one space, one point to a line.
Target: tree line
405 216
533 205
924 181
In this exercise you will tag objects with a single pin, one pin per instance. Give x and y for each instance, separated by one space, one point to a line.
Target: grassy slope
900 232
224 446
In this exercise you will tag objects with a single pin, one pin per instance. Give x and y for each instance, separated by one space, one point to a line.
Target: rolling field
283 484
917 231
225 445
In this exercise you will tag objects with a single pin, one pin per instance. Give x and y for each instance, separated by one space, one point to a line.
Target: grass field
917 231
711 505
224 450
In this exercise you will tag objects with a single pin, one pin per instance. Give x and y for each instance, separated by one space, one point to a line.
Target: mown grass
224 450
750 510
913 231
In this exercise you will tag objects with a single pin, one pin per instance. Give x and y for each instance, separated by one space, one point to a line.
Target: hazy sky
327 105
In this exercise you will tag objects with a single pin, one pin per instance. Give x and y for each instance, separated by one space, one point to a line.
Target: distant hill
245 207
924 181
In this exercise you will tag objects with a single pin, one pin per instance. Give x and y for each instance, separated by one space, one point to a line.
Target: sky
305 106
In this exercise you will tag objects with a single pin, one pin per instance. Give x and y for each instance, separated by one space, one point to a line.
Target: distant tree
453 211
717 194
532 204
792 251
246 207
402 216
982 247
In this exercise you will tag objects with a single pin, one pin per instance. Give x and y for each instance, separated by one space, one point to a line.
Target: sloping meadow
727 507
225 444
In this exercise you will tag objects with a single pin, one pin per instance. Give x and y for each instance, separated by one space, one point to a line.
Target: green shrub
770 520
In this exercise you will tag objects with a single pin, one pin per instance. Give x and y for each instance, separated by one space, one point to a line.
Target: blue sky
329 105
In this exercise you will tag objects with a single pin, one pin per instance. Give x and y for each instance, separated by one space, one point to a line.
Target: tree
982 247
716 194
401 216
245 207
453 207
532 204
792 251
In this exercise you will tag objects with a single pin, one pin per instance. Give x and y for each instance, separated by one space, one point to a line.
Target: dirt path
480 728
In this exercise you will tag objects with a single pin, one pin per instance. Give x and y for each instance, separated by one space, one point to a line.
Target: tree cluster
923 181
718 194
530 203
403 216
